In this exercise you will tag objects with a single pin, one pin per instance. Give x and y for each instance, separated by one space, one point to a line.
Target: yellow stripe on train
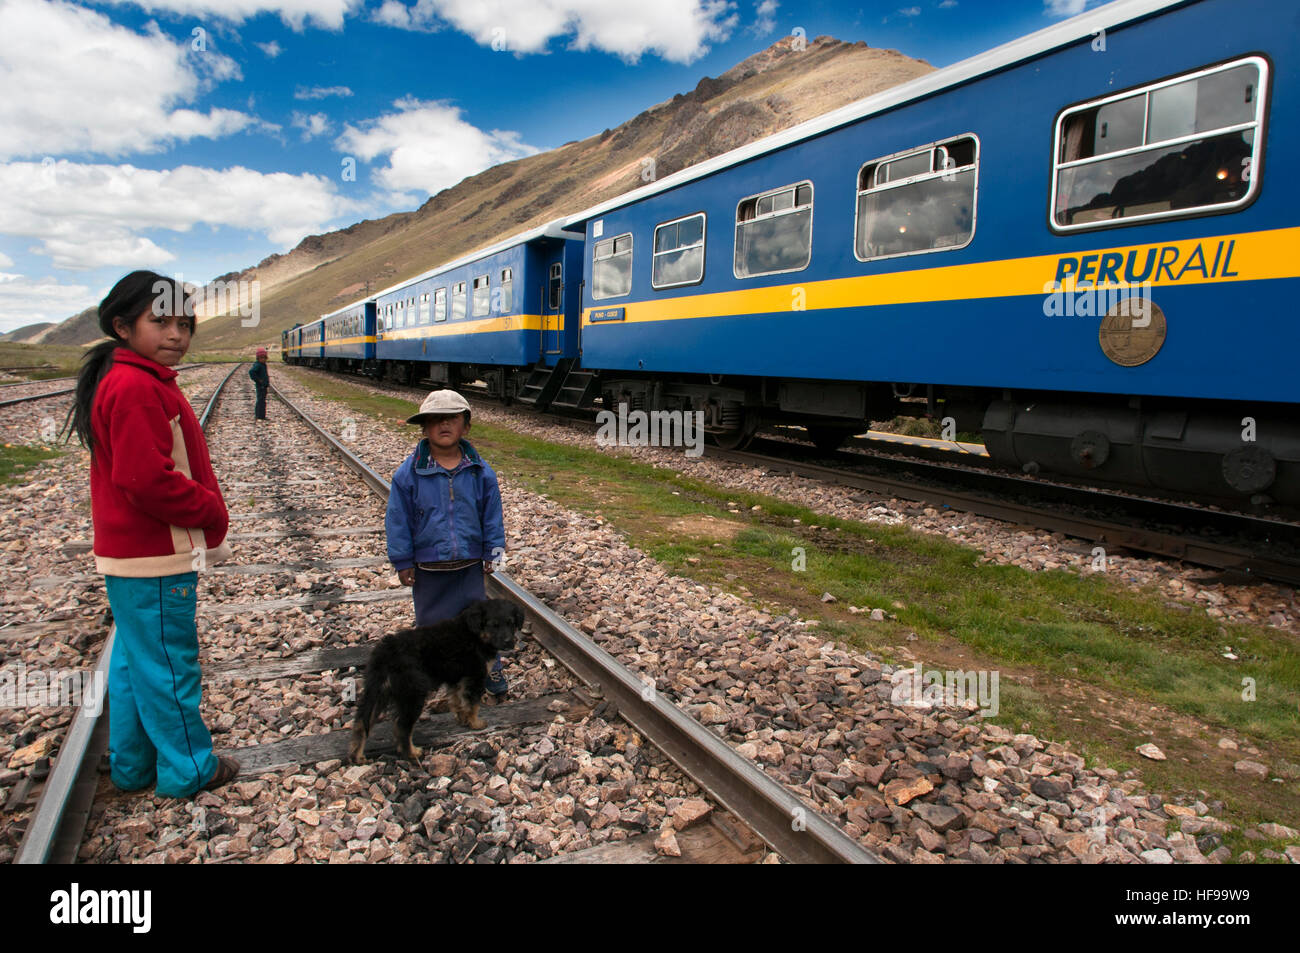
509 322
1253 256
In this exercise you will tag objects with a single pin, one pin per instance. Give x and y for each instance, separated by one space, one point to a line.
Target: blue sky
199 136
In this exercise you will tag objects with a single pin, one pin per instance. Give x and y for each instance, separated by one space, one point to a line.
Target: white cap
439 402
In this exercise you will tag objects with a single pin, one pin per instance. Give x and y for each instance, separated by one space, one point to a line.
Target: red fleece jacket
155 501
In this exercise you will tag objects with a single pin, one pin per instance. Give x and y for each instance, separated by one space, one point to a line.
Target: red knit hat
261 352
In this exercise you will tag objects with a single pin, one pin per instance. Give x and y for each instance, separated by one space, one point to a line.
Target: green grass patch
40 362
16 460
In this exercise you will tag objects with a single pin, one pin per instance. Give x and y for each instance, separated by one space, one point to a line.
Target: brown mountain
81 328
27 332
772 90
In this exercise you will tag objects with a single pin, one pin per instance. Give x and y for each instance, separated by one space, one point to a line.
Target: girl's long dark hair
128 300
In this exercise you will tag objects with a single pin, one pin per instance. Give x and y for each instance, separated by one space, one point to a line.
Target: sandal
227 771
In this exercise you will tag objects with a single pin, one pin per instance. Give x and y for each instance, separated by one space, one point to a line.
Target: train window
458 300
1184 146
507 290
679 253
774 231
440 305
482 296
553 295
611 267
919 202
424 308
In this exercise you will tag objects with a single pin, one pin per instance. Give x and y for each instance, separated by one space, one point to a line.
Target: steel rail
1158 542
61 812
59 393
797 832
978 473
22 400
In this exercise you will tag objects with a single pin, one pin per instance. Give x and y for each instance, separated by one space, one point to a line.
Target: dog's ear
473 616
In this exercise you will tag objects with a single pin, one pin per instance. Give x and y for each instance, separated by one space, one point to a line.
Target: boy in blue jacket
444 523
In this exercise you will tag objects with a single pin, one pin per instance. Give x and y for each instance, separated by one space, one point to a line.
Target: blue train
1071 243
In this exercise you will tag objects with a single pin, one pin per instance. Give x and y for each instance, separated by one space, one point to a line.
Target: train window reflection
921 202
1193 149
774 231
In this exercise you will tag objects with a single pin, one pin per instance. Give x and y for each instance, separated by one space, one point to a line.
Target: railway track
1234 542
1173 530
58 391
297 667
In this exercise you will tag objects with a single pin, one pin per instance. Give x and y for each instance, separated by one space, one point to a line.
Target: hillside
81 328
27 332
772 90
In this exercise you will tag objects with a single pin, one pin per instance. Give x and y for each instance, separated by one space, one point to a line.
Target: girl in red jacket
159 518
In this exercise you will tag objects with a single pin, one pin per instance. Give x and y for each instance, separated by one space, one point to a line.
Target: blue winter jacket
436 515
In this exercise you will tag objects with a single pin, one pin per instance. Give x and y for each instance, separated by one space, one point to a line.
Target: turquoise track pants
155 731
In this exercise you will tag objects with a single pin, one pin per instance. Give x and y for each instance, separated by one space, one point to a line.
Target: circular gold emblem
1133 331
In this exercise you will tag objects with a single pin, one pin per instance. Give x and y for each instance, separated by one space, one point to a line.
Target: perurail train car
1056 242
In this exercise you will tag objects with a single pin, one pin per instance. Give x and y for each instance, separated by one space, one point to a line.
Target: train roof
1085 25
552 229
347 307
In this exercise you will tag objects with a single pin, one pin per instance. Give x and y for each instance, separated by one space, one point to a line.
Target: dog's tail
374 699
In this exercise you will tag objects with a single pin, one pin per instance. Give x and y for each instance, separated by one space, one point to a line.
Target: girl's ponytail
94 366
128 300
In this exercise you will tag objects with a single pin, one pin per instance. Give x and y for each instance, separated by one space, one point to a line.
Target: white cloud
910 11
73 81
272 49
317 124
947 4
26 300
5 261
765 17
327 14
1063 8
394 13
429 146
321 92
90 216
677 30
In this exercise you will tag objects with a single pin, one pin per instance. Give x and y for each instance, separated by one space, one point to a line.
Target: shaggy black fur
408 666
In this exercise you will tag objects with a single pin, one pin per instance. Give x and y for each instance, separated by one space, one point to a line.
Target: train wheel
737 439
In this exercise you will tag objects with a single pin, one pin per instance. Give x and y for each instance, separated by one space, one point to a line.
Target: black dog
407 666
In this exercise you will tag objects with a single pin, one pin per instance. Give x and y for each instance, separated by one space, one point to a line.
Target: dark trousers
441 595
259 411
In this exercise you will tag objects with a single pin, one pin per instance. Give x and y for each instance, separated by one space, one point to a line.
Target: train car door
553 305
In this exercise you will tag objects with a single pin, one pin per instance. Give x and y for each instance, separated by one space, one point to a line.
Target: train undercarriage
1204 449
